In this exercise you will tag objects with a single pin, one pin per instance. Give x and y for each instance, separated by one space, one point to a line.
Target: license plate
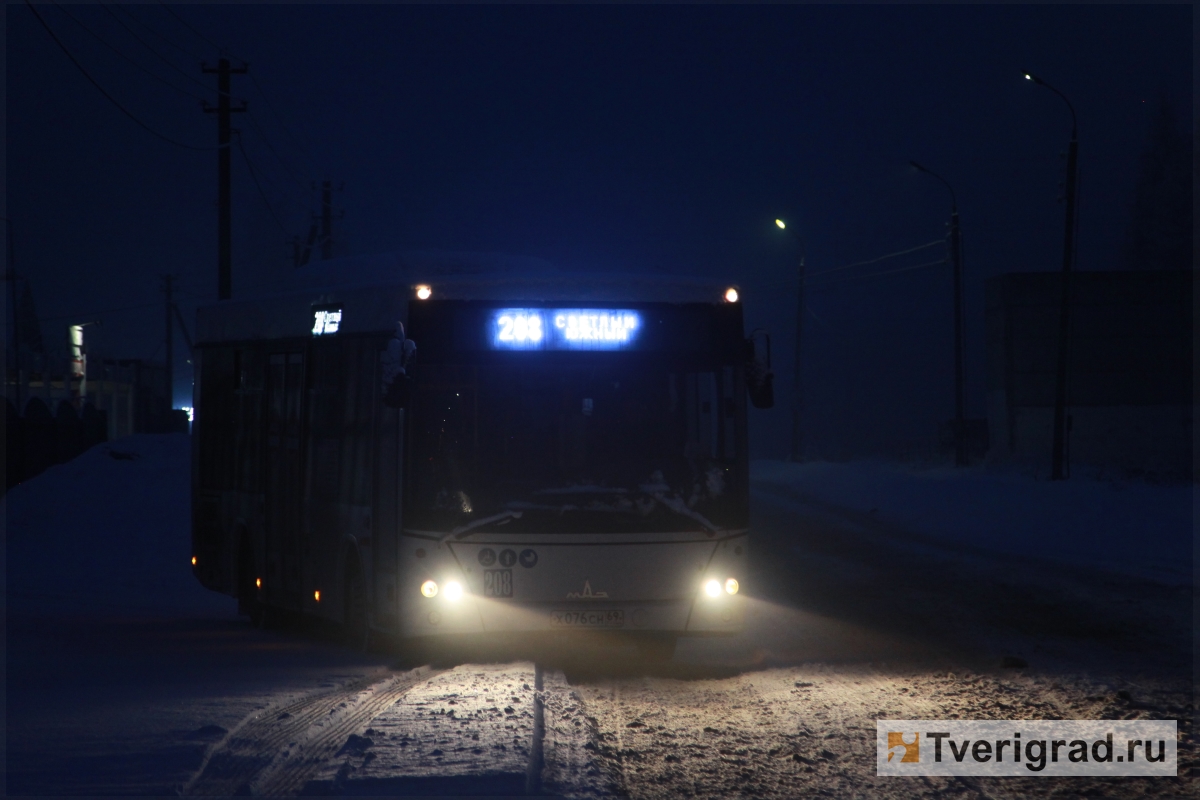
587 619
497 583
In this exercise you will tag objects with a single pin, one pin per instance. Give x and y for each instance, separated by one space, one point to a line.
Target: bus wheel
657 648
356 629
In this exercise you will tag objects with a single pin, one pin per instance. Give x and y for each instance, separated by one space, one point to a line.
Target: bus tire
657 648
356 628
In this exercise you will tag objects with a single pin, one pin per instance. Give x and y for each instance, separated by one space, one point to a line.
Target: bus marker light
731 295
429 588
317 595
712 588
731 586
424 292
258 583
193 561
454 591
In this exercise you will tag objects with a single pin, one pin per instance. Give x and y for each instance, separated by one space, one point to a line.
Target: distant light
712 588
190 412
731 586
317 595
454 591
258 583
424 292
429 588
731 295
193 561
1028 77
779 222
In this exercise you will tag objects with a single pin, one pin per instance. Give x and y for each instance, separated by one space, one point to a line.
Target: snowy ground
1134 527
126 677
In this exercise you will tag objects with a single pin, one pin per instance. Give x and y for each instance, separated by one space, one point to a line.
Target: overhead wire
263 194
165 38
278 118
287 167
882 273
104 92
126 57
149 47
187 25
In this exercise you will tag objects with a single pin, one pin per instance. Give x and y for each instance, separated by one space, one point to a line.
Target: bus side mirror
760 380
393 360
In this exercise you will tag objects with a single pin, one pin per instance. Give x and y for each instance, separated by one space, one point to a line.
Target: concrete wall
1129 369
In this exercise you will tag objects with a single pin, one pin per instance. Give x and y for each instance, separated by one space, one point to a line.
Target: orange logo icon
911 750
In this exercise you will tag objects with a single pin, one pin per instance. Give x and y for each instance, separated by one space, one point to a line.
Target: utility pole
1058 458
795 452
960 392
327 219
797 386
1058 463
224 196
170 322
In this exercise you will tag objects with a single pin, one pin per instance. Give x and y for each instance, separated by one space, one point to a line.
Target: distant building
1129 387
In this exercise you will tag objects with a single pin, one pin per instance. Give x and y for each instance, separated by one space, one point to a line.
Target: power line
122 54
96 313
279 119
878 274
880 258
258 129
861 263
102 91
193 30
288 198
169 41
250 166
147 45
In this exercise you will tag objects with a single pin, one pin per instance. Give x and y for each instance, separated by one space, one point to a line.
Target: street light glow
779 222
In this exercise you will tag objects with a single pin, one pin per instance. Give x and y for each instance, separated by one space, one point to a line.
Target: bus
428 454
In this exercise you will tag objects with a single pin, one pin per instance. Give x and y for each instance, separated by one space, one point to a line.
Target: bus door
285 381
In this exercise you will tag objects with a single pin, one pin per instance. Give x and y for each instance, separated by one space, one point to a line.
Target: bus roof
373 292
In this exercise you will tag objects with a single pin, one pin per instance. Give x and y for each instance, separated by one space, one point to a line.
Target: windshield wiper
463 530
677 505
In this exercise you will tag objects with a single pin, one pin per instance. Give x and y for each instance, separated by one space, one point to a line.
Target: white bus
432 454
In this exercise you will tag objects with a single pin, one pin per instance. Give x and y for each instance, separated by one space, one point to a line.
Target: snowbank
1132 527
109 530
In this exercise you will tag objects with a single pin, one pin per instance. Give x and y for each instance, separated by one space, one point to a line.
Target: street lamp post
1058 457
960 392
795 452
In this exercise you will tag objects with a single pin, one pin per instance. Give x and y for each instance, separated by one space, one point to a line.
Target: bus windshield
613 443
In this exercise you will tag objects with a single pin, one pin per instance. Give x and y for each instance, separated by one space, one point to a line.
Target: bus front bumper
698 616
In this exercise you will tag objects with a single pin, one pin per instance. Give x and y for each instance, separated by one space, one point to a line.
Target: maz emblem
586 594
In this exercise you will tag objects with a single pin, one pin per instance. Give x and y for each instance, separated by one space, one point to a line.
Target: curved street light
794 453
960 392
1058 457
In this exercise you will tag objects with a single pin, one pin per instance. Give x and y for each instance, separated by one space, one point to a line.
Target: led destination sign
564 328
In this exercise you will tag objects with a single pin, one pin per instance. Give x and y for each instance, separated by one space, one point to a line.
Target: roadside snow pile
1132 527
109 530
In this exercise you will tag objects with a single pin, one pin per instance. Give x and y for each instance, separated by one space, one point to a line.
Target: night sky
599 138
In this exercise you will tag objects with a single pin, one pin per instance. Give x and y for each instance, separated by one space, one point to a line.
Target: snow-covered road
124 678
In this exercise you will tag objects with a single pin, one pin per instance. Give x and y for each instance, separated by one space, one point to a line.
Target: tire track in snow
285 745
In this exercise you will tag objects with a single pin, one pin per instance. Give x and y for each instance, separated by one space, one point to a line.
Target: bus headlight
731 586
429 588
454 591
712 588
